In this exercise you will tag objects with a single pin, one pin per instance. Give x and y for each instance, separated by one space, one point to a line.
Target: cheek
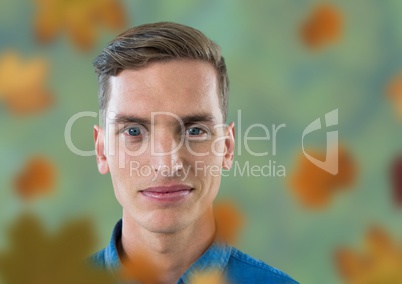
211 148
217 152
125 155
197 149
207 170
119 146
126 179
132 148
127 172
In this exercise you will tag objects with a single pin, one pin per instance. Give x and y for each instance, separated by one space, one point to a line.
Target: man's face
165 143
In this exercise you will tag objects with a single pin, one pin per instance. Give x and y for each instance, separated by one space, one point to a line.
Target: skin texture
175 233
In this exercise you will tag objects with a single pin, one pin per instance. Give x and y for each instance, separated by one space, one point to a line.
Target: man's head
163 93
141 45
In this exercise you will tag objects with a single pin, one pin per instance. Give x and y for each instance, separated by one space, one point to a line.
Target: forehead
181 87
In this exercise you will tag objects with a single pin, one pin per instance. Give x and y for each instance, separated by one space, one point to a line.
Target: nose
165 152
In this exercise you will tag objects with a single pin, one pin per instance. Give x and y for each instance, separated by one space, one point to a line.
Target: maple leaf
80 19
37 178
22 87
379 263
35 257
229 221
394 93
315 187
323 26
208 276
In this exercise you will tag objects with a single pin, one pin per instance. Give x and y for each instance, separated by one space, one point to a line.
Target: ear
101 159
229 146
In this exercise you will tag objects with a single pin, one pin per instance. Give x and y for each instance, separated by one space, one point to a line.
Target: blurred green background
275 79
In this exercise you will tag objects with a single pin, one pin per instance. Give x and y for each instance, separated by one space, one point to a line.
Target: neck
173 253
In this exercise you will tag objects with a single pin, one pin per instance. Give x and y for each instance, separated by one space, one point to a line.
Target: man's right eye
133 131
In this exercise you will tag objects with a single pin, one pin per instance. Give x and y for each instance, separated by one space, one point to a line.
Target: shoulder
108 258
243 268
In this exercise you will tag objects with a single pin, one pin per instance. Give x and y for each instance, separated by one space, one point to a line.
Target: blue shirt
237 266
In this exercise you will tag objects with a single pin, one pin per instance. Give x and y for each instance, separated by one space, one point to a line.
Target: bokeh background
289 61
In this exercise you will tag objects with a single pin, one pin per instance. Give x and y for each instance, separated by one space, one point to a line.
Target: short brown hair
161 41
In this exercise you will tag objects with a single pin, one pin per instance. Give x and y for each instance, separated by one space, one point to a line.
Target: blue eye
134 131
194 131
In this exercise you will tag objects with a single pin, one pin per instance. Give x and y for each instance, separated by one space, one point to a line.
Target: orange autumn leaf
22 84
378 243
111 14
394 92
141 267
379 263
81 20
323 26
208 276
36 179
313 186
348 263
229 221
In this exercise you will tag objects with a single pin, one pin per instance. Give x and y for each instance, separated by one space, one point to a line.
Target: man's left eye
194 131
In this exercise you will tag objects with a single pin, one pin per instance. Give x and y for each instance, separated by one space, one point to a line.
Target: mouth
167 193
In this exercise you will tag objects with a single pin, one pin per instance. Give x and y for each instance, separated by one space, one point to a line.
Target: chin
164 225
165 229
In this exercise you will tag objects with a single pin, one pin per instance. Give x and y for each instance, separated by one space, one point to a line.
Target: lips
167 193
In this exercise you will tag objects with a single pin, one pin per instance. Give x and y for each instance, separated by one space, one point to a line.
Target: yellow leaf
36 257
208 276
80 19
22 83
379 263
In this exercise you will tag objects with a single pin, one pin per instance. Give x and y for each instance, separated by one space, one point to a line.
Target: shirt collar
112 259
215 257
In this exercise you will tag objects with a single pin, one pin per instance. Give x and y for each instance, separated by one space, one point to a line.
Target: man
163 99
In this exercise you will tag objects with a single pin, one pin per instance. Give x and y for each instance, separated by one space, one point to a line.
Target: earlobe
229 146
101 159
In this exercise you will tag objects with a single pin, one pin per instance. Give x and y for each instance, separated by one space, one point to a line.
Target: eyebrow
187 119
